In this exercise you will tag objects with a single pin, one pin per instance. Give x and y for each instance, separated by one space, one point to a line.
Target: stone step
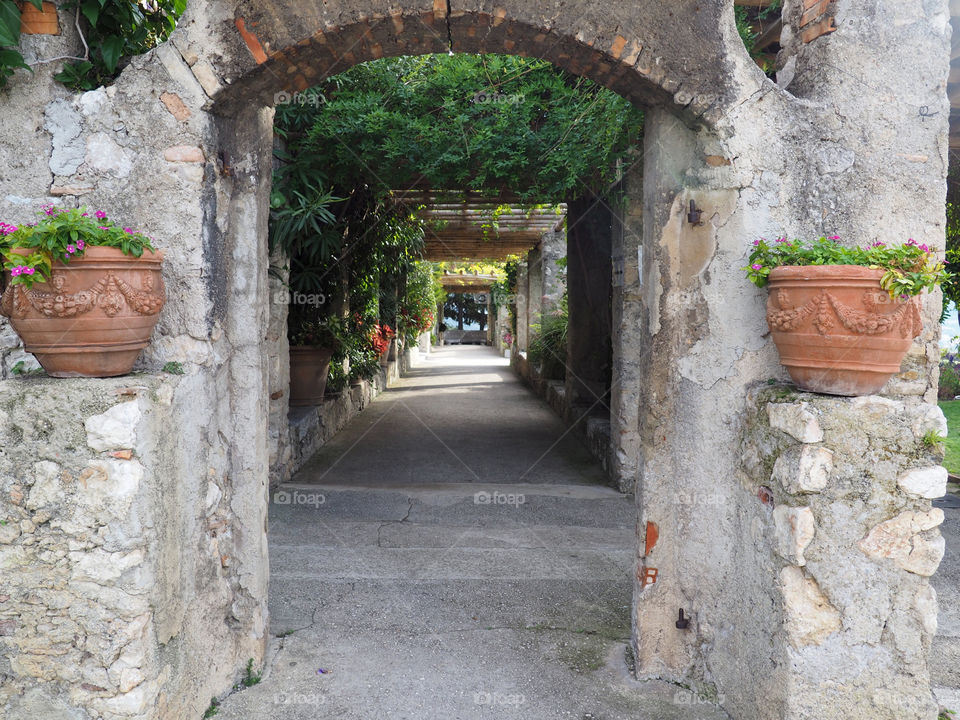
454 505
300 562
397 606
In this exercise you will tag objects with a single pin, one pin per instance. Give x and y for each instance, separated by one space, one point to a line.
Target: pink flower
16 271
28 271
81 244
128 231
834 237
756 266
756 242
878 244
71 249
103 227
781 240
911 241
100 214
925 248
85 215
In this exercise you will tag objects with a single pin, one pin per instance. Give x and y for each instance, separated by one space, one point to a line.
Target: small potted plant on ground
843 318
313 341
83 293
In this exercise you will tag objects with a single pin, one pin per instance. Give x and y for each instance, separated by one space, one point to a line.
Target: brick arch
653 53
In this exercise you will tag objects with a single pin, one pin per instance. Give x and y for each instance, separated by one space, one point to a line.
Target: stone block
907 541
810 618
929 482
184 153
47 488
803 471
116 429
794 529
795 420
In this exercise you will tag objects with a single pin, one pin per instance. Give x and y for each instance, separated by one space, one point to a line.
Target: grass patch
951 409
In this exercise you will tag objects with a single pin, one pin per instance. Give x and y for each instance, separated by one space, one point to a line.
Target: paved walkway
453 555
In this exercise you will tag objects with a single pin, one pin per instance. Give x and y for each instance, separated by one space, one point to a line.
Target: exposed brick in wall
817 19
37 22
274 54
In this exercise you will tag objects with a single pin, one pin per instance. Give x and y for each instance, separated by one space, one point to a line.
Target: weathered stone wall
189 540
120 593
853 141
834 502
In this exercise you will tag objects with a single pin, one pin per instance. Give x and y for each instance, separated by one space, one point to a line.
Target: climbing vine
110 31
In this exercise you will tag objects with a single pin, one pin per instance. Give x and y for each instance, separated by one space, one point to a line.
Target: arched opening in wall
438 536
426 211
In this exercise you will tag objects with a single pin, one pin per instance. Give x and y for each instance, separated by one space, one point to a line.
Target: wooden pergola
463 282
472 227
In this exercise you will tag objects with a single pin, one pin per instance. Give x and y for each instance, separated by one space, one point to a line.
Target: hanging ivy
111 30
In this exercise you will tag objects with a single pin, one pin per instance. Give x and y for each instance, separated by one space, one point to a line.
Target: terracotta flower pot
93 317
837 331
309 367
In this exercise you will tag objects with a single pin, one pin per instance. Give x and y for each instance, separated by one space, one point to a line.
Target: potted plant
313 342
843 318
83 293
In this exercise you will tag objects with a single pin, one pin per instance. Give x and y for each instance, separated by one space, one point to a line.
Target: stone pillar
589 246
523 305
851 549
278 358
553 247
627 311
534 288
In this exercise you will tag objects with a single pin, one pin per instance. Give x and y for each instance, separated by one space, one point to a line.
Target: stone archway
183 142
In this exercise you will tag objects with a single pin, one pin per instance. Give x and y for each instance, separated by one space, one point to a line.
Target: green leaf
38 4
111 49
9 23
91 11
13 59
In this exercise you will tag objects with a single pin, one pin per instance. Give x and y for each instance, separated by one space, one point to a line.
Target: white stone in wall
907 541
47 488
806 472
926 604
795 420
810 616
932 419
104 155
794 528
9 533
116 429
213 497
929 482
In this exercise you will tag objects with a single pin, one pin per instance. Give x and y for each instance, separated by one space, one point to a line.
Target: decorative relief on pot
869 321
93 316
108 294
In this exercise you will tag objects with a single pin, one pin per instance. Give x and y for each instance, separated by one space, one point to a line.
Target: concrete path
945 651
418 574
461 417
